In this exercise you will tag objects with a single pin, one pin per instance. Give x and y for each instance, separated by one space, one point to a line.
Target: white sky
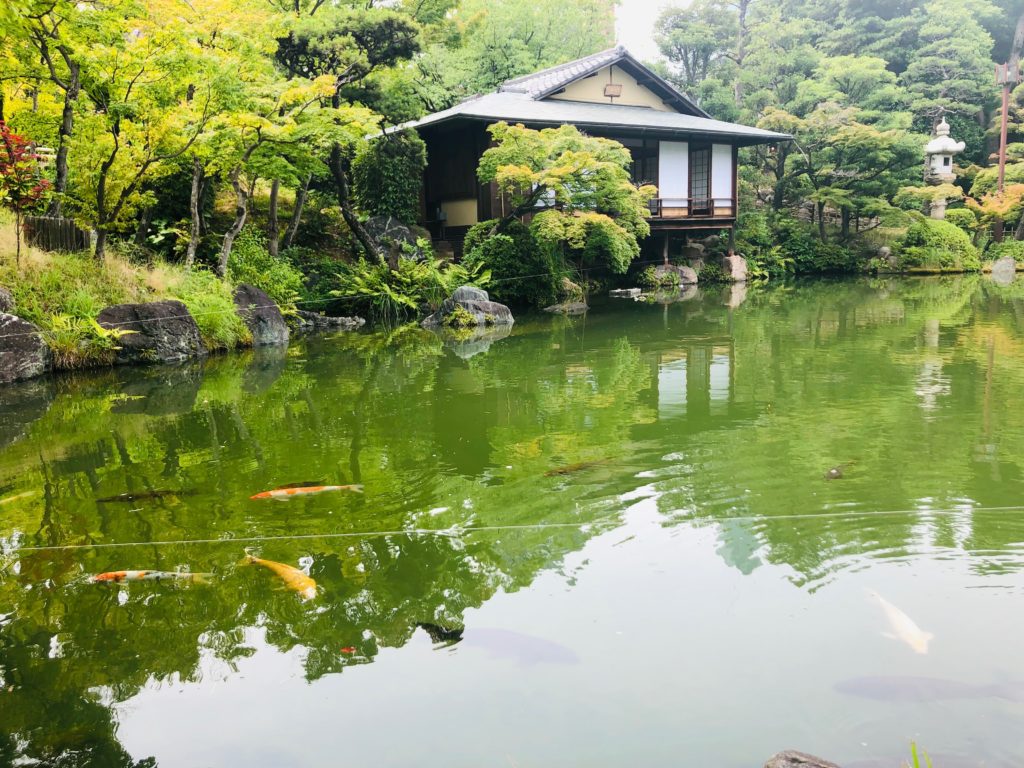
634 26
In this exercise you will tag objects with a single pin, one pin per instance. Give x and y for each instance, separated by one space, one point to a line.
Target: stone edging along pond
159 332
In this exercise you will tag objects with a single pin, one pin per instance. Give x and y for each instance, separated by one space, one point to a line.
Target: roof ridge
619 51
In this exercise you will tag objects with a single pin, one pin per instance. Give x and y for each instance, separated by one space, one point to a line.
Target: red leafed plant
22 187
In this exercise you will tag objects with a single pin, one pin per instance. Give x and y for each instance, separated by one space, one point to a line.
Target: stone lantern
939 156
938 168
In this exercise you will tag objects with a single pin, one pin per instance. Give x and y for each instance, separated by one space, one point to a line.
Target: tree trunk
195 218
779 192
821 223
846 224
300 202
741 50
142 230
204 228
1018 234
101 242
339 170
273 234
241 211
67 126
17 236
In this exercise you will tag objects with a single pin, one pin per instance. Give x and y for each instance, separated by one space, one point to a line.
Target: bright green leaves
580 188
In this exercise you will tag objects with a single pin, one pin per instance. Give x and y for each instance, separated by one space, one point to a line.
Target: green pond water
627 515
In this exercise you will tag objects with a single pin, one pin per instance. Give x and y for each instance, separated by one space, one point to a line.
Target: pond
600 541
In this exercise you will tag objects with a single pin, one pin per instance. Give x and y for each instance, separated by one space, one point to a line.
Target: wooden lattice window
700 179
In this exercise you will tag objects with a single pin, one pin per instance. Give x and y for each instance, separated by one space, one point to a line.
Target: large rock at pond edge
790 759
261 315
477 303
23 353
165 332
1004 270
21 404
568 308
6 301
400 239
307 322
686 275
735 268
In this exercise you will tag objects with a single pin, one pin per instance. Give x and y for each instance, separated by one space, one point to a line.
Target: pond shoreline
148 333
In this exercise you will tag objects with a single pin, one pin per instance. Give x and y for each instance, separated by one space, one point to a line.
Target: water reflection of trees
728 416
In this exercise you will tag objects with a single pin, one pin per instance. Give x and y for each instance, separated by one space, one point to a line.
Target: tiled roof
547 80
523 108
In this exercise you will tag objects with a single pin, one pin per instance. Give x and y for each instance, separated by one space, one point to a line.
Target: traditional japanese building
675 144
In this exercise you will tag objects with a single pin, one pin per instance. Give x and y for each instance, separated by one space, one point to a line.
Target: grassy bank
62 294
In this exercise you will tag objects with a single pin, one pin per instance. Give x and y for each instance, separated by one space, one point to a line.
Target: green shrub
521 271
251 262
933 244
211 302
388 173
803 250
712 272
1012 248
964 218
460 317
319 275
385 295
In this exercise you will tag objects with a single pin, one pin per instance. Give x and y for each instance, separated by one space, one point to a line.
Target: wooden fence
52 233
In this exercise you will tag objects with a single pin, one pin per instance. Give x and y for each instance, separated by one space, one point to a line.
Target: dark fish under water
571 468
505 644
923 689
142 495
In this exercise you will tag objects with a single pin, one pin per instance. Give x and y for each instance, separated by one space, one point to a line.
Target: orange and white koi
293 578
283 494
117 577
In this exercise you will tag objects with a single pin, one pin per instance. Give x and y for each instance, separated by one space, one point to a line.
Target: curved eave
740 139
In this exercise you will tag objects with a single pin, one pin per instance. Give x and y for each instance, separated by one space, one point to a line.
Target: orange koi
283 494
293 578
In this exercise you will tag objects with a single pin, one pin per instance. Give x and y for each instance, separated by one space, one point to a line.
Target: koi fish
141 495
117 577
293 578
285 493
572 468
903 627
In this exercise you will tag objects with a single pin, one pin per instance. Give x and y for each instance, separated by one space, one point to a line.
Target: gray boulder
21 404
791 759
307 322
6 301
692 251
735 268
685 275
164 332
23 353
474 301
568 308
261 315
398 238
1004 270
